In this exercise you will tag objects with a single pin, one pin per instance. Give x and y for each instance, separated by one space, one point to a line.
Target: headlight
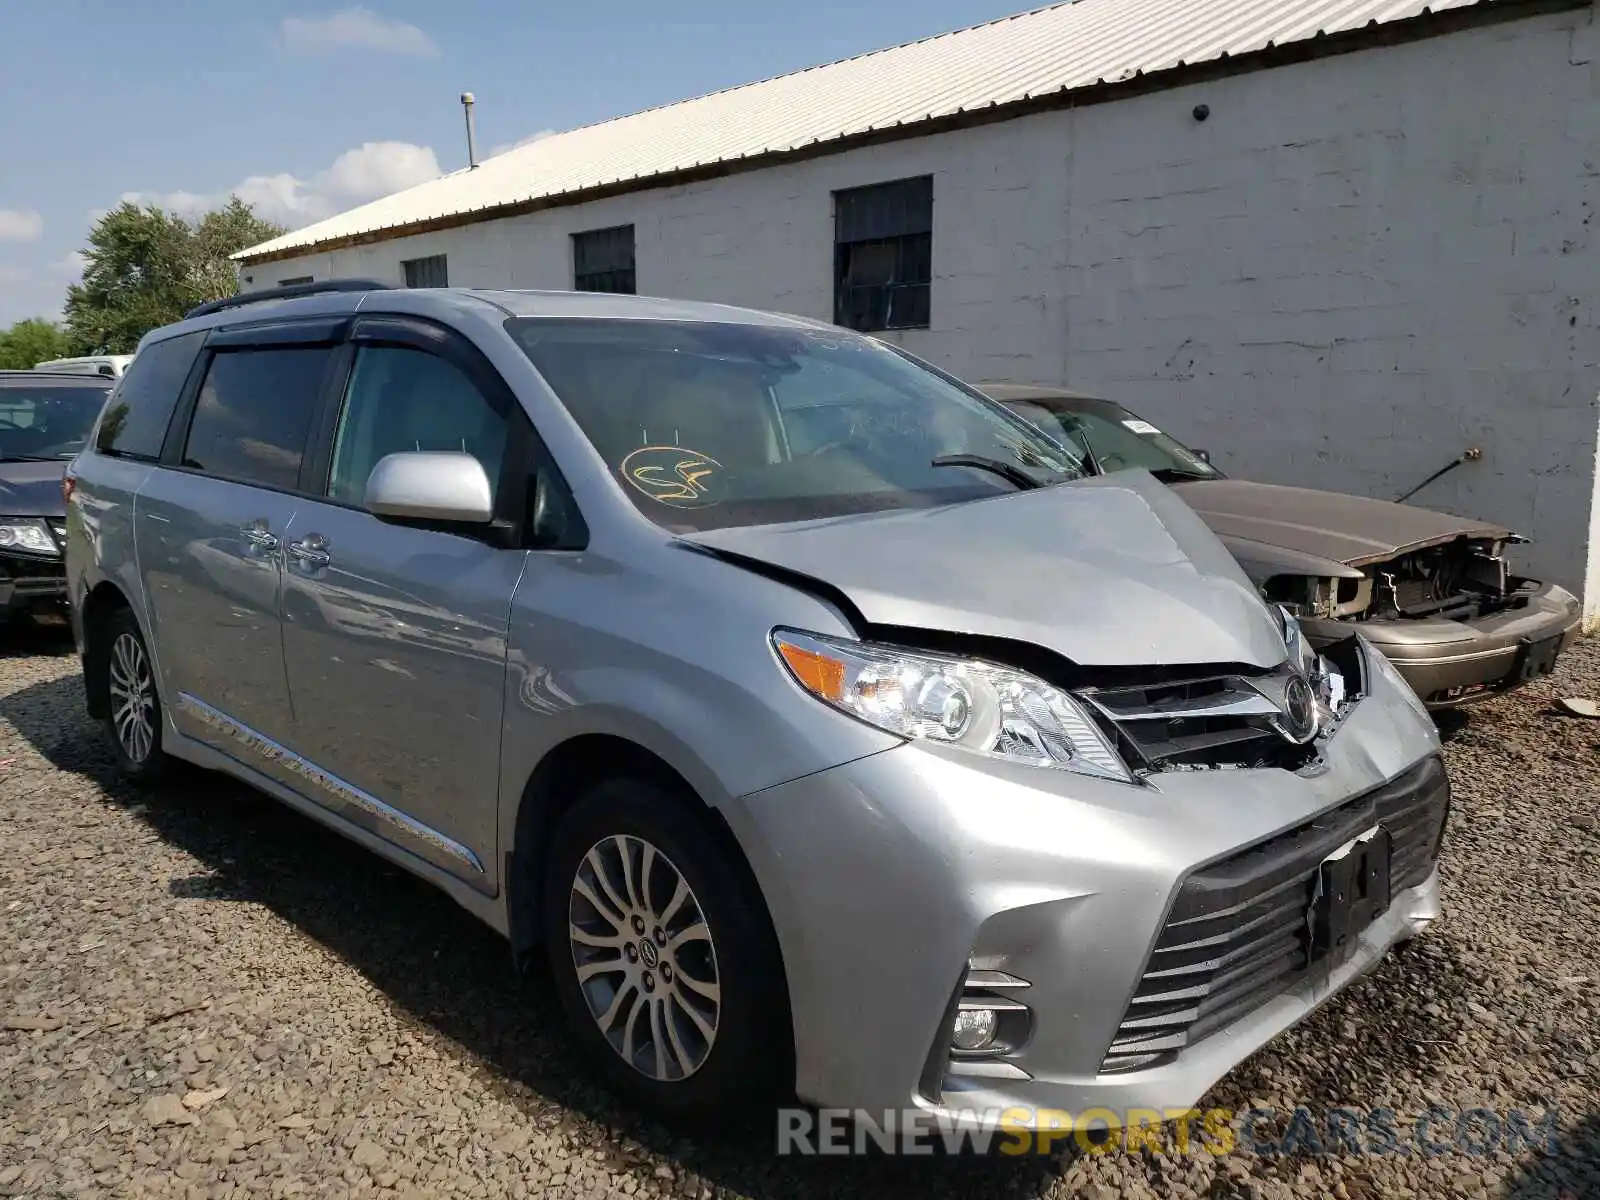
963 702
24 533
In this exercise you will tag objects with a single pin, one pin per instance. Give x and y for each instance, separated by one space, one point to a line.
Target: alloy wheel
133 698
645 958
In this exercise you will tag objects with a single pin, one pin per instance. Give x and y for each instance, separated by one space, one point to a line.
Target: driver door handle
311 551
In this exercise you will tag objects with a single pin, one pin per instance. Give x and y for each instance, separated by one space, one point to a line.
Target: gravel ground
202 994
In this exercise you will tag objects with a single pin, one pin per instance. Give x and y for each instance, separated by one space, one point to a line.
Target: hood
32 489
1354 530
1112 571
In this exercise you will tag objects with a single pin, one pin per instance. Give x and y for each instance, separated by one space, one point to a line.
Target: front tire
664 962
133 705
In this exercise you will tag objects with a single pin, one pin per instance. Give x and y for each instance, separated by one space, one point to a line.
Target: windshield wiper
1010 472
1179 474
34 457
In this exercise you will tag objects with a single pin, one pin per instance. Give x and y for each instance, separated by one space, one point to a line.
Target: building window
883 255
602 260
426 272
296 280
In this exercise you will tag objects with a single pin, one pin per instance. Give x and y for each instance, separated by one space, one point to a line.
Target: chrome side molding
337 794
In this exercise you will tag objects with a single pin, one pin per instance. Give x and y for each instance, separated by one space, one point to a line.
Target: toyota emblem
1299 710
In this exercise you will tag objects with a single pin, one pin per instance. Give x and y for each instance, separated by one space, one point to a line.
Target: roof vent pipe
472 140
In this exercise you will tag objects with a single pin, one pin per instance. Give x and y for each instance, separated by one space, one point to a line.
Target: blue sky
307 109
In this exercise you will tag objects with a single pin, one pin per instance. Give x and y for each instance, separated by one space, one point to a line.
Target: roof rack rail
288 291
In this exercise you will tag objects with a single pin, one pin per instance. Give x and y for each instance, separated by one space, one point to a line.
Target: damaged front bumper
921 880
1450 663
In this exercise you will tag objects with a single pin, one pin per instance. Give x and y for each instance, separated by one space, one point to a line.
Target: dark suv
45 419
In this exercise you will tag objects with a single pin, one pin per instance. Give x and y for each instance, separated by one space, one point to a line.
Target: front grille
1236 935
1211 720
27 570
1218 717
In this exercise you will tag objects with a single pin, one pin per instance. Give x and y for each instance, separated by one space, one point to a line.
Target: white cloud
17 225
379 169
38 289
357 27
369 171
503 147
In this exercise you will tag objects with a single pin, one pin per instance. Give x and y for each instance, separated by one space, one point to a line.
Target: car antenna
1470 454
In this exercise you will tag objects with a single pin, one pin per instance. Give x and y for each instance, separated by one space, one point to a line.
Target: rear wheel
664 965
133 706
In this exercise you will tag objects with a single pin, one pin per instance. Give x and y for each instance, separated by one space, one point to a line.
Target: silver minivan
830 729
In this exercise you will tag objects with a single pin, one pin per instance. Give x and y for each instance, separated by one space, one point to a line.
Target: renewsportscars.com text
1359 1132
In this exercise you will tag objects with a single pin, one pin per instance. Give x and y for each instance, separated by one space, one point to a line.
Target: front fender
671 654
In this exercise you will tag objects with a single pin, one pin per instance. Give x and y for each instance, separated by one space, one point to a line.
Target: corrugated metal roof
1057 49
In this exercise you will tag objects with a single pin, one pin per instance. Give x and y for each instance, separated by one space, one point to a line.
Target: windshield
47 422
711 425
1118 440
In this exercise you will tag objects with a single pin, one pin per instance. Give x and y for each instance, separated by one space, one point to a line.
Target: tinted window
136 419
47 422
254 412
709 425
401 399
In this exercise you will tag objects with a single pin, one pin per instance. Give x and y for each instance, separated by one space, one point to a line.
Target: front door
210 527
394 635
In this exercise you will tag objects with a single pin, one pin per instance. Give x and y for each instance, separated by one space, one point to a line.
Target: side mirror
433 486
1202 455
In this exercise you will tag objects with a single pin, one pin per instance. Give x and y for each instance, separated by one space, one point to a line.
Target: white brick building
1335 242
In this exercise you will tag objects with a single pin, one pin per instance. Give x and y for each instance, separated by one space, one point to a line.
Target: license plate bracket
1537 659
1351 891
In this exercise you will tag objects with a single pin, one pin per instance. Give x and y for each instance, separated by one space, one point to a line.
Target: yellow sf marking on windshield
671 474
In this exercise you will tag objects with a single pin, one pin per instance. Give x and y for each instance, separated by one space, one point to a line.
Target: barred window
430 272
883 255
602 260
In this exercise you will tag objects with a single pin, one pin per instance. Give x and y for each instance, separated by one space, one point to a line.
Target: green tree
146 267
32 341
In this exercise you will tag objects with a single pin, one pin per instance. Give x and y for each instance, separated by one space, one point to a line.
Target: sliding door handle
311 551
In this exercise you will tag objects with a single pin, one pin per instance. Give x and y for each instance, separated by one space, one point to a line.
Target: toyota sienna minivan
830 729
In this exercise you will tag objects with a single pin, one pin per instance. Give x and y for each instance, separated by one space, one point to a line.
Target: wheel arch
103 601
561 778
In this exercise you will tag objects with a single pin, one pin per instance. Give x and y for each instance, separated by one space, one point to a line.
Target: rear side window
136 419
254 413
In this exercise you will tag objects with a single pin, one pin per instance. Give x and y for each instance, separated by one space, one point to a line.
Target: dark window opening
430 272
253 416
883 255
602 261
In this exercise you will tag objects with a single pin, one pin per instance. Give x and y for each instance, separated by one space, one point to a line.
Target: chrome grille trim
1210 720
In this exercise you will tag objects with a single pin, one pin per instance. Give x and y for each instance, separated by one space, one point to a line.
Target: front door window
402 399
